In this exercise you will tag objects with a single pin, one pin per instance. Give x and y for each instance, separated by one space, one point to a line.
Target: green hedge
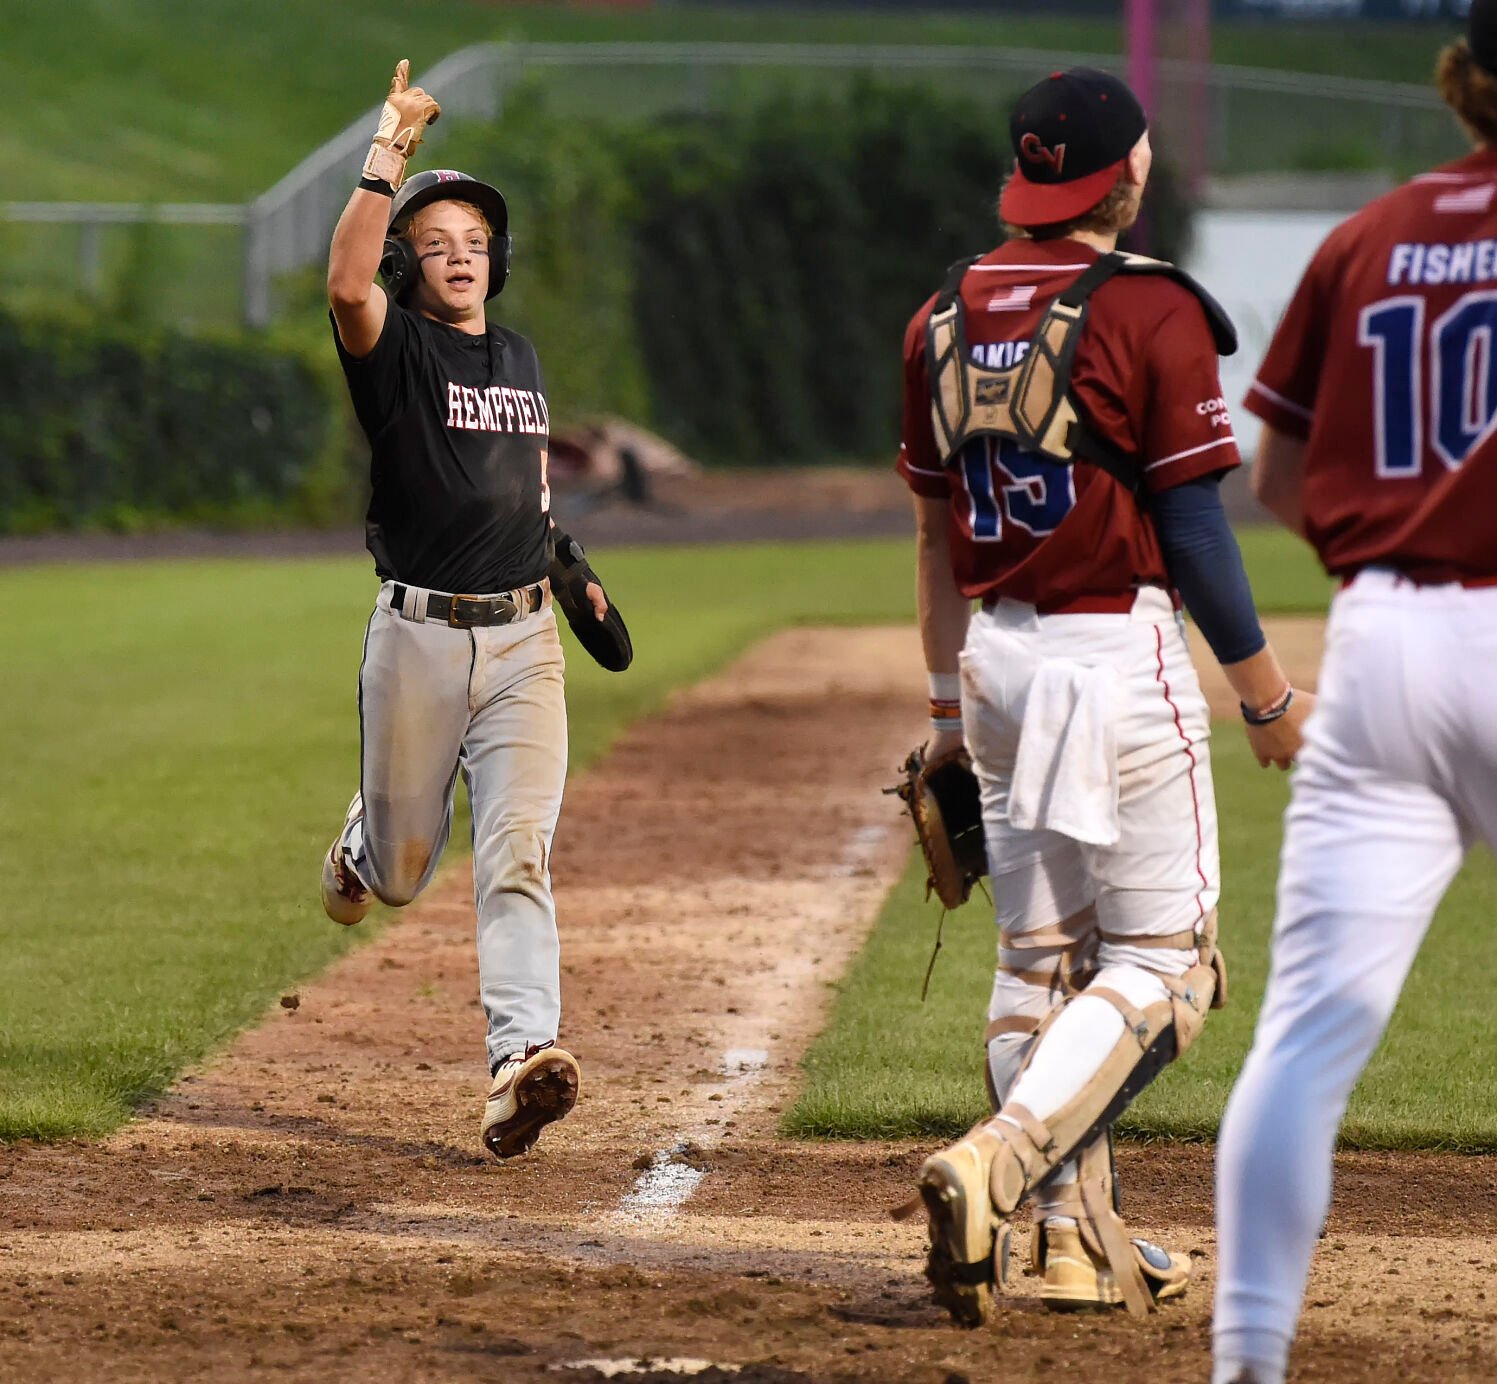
739 281
113 427
742 280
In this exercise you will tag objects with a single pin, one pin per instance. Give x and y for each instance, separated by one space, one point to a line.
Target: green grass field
181 100
1431 1085
180 741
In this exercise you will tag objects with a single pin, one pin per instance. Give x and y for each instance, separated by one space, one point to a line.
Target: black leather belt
466 612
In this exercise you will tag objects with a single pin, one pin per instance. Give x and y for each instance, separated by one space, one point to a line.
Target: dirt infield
316 1205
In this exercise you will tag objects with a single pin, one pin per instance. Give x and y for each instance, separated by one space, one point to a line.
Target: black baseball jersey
459 431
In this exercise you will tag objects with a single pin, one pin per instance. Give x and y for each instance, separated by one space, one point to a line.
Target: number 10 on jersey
1462 374
1005 483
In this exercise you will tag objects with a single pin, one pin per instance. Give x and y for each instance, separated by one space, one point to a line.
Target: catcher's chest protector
1030 403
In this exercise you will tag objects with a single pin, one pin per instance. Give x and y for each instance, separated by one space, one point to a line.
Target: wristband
378 185
385 164
946 702
1271 712
945 687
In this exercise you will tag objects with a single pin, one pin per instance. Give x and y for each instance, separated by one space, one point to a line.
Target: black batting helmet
398 265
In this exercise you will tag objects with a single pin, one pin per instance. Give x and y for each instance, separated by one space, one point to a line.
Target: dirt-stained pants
434 699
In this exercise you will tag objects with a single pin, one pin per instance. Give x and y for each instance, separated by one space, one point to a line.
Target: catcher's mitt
944 801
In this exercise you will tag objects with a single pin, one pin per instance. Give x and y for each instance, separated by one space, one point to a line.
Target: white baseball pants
1061 901
1397 778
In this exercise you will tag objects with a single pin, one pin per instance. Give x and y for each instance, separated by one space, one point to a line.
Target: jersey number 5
1462 379
1003 481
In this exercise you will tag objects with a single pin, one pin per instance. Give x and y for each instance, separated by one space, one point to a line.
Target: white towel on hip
1066 767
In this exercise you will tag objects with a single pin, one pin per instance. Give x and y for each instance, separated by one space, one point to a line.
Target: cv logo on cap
1036 152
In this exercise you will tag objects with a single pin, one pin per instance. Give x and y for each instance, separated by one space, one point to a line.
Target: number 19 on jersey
1006 484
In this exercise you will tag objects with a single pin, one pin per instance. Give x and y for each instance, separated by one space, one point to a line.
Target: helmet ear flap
500 249
399 267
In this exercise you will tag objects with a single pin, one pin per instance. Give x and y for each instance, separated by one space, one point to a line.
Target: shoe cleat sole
545 1094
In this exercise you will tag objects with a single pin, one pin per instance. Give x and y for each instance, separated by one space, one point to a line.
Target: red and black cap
1071 133
1481 34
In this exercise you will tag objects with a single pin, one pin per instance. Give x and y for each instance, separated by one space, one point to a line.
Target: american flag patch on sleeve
1469 199
1011 299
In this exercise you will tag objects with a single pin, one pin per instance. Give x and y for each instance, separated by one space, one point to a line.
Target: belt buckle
493 610
452 614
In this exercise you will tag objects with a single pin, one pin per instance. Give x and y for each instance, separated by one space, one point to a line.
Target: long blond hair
1469 90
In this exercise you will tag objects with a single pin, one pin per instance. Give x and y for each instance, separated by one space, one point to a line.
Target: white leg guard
1005 1056
1146 1039
1009 1043
1037 971
1091 1057
1129 1022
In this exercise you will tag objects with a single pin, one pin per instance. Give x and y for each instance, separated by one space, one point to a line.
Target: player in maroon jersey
1379 393
1064 436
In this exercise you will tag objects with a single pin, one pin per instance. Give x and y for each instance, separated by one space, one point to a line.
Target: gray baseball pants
433 700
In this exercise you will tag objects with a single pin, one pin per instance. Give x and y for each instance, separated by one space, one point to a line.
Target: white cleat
345 899
531 1090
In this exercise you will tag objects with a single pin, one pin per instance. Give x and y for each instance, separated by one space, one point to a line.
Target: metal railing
91 217
288 227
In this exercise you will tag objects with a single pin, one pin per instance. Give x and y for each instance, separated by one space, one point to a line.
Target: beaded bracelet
1270 713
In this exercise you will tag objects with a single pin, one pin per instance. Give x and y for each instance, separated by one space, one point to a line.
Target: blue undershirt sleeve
1205 565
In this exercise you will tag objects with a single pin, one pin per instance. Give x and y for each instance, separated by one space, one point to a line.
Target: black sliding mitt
607 640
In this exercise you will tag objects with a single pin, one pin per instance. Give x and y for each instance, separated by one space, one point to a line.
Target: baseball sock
1250 1355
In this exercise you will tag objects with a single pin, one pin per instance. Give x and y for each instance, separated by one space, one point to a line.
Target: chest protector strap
1031 403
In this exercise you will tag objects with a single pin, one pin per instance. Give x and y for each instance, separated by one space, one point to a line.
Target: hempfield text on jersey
499 408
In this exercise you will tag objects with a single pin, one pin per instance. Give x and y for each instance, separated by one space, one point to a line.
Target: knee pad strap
1091 1201
1012 1023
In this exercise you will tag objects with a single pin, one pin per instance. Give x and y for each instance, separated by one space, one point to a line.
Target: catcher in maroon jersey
1379 395
1064 436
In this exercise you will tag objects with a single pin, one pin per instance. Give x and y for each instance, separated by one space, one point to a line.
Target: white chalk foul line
671 1178
862 849
683 1365
675 1172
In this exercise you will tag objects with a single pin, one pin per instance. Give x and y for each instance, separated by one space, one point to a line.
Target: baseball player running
1064 435
1379 395
456 416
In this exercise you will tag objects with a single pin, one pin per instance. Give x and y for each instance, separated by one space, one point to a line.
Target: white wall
1251 262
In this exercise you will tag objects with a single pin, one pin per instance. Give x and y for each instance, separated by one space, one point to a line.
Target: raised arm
359 306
